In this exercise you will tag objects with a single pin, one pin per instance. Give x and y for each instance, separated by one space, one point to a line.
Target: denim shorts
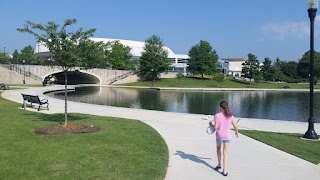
224 141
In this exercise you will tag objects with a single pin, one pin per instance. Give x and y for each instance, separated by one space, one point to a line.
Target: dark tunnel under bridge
75 77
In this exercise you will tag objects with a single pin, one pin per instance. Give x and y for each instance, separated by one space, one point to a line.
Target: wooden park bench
3 86
34 99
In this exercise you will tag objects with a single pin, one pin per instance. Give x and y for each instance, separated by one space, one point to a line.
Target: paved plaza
192 152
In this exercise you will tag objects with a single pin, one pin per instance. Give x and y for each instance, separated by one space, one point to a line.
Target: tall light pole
24 72
152 76
4 52
312 10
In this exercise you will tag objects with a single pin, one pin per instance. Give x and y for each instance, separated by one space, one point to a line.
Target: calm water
292 106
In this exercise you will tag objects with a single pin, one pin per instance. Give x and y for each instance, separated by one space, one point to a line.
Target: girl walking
223 121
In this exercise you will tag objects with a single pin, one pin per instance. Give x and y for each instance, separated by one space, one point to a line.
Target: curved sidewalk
192 153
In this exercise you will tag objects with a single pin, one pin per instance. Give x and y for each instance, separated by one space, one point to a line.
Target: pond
291 106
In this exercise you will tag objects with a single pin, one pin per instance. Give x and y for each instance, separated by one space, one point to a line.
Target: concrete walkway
192 153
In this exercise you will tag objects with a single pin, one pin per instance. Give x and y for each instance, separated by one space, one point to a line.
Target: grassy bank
124 149
27 85
198 83
290 143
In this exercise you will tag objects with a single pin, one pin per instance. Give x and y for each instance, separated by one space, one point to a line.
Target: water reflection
292 106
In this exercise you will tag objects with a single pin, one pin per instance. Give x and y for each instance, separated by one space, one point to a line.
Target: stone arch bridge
34 74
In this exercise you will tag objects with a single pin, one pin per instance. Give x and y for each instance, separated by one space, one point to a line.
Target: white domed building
178 61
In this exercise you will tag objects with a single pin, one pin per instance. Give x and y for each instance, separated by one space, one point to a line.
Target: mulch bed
67 130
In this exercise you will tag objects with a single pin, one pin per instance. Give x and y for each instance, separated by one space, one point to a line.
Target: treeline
288 71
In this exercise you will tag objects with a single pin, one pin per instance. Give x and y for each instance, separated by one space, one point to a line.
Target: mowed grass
290 143
27 85
124 149
208 83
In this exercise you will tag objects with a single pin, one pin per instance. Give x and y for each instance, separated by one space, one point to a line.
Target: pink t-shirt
224 123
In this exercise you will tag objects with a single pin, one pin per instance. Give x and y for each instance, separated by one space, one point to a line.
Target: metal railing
16 68
122 76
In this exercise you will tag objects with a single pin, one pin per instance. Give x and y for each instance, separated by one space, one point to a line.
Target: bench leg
24 105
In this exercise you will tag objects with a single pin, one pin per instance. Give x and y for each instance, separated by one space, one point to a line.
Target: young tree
218 77
203 59
153 60
63 45
265 69
250 66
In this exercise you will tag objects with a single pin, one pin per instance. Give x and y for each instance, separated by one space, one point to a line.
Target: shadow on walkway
194 159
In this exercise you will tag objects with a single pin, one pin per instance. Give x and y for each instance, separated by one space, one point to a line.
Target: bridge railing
122 76
16 68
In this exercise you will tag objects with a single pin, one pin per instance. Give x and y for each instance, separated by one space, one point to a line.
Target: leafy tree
218 77
290 68
304 65
251 66
203 59
118 56
15 57
27 54
276 73
15 54
265 69
91 53
257 77
63 45
277 62
4 56
153 60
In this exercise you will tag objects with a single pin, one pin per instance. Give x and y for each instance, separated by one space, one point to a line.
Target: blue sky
234 28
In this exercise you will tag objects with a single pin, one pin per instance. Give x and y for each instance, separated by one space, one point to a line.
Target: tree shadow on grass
59 118
194 158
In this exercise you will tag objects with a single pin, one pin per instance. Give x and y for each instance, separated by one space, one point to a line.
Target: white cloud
282 30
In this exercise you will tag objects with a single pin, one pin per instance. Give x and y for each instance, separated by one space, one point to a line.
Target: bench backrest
26 97
35 99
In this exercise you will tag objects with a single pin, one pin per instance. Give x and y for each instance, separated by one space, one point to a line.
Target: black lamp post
312 9
4 52
24 72
152 76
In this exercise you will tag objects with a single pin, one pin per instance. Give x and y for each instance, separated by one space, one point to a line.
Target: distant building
235 65
178 61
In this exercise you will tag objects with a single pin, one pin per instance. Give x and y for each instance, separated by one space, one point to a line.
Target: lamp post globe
312 9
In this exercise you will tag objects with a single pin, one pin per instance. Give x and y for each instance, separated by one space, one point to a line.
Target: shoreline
200 89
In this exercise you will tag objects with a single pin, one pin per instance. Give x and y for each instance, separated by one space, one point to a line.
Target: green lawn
290 143
27 85
124 149
199 83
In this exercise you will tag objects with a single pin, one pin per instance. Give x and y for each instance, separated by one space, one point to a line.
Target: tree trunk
65 99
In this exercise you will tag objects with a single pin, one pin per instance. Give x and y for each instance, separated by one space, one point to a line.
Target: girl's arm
235 128
215 125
